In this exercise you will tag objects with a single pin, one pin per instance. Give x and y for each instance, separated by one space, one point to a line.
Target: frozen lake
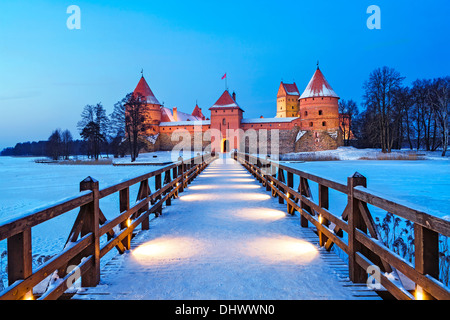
26 185
425 184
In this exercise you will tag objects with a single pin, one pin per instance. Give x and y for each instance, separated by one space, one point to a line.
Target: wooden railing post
323 203
426 244
124 205
92 277
181 170
157 187
290 184
19 257
302 188
355 221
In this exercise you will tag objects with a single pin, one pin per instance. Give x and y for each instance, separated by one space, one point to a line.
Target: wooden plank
416 216
21 287
355 221
323 203
397 292
425 281
426 253
19 256
12 227
91 225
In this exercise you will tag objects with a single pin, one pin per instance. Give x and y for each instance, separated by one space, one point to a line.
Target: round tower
152 105
319 108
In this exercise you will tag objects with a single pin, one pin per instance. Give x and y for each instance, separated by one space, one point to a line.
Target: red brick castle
306 122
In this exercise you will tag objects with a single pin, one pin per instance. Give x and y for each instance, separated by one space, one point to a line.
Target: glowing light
28 296
194 197
242 180
283 248
287 195
225 186
320 219
260 214
128 223
419 293
166 250
226 175
225 196
204 187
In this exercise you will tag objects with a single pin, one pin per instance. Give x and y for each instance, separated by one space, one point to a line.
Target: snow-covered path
224 238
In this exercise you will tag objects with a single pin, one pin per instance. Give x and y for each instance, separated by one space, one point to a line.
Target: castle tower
319 105
226 117
287 100
153 116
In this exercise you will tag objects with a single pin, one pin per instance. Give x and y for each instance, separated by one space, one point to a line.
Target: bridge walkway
226 238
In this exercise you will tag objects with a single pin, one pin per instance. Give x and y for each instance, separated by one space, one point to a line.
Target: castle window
306 113
324 123
224 122
310 124
320 112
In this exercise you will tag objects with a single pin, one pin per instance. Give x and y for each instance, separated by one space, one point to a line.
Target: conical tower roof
144 90
318 86
225 101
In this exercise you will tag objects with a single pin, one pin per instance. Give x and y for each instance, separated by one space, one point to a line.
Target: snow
300 134
421 183
325 92
157 158
351 153
268 120
231 105
224 238
26 186
186 123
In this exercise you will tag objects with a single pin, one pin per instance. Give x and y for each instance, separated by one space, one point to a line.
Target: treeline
395 116
123 131
40 149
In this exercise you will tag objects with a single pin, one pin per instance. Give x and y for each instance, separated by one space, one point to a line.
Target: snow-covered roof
144 90
268 120
318 87
167 116
291 89
186 123
225 101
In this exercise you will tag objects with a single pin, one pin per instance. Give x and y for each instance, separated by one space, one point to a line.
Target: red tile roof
291 89
225 101
198 112
318 86
143 89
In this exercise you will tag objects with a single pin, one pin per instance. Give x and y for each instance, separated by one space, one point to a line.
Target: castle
306 122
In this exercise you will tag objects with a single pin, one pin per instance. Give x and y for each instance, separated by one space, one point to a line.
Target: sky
49 72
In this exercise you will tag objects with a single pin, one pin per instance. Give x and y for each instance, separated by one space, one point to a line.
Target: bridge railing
368 256
82 252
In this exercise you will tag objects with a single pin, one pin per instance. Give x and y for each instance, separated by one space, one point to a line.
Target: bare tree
348 109
439 97
378 99
66 140
54 145
93 127
132 111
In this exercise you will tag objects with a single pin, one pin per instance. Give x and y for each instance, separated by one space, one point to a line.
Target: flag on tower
224 76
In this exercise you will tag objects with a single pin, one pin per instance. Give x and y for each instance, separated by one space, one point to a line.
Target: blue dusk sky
48 72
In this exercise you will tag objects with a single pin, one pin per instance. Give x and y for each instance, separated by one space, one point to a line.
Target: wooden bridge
240 230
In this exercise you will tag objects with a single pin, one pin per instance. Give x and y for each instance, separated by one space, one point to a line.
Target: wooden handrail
364 246
83 248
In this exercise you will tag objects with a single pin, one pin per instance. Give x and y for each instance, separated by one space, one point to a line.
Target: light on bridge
261 214
283 248
166 250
